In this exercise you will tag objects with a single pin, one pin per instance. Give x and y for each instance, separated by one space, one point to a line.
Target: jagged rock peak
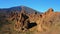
50 10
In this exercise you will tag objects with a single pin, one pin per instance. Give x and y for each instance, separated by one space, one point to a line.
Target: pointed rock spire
50 10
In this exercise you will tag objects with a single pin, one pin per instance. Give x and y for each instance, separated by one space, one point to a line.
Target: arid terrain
25 20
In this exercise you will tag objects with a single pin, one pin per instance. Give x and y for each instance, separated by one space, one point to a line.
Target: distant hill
18 8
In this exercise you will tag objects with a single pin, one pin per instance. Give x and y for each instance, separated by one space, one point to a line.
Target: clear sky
39 5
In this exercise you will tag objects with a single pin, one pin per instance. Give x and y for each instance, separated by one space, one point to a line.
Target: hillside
25 20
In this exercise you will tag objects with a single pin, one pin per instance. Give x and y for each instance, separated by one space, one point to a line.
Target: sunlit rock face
25 19
22 18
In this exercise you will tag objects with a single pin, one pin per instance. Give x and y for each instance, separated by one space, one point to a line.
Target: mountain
18 16
18 8
25 20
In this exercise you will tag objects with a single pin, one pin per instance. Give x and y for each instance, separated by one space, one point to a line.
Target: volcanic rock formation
23 19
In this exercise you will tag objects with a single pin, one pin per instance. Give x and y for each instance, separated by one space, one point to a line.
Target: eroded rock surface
27 19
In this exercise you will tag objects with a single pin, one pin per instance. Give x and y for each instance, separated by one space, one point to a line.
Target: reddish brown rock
28 19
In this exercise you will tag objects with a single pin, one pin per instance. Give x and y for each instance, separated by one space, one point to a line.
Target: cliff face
27 19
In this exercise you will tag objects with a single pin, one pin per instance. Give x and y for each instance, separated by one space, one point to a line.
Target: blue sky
39 5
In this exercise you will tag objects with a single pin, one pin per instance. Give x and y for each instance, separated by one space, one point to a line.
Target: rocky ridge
27 19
